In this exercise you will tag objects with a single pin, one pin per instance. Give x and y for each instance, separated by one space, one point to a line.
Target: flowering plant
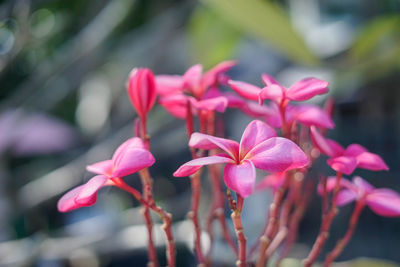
287 160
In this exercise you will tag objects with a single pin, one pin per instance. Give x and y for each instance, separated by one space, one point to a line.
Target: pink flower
258 148
384 202
300 91
273 181
129 158
194 86
347 160
142 90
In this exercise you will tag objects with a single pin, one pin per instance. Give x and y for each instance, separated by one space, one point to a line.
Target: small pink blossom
195 87
347 160
258 148
300 91
130 157
382 201
142 92
273 181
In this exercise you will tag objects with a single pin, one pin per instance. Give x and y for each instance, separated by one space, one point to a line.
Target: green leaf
212 39
267 22
373 34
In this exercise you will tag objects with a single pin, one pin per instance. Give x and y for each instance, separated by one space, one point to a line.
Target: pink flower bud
142 90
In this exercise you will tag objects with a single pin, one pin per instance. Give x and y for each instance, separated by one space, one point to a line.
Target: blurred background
63 105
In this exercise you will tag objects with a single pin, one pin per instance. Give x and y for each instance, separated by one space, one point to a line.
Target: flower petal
212 76
102 167
327 146
193 166
240 178
245 90
384 202
219 104
306 89
371 161
274 181
311 115
362 184
130 157
268 80
354 150
274 92
346 196
343 164
207 142
192 80
169 84
277 154
331 184
255 133
88 193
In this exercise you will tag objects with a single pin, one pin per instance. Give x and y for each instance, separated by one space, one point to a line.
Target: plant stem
349 233
325 226
237 223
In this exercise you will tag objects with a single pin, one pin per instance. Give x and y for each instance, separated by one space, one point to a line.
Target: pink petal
192 80
169 84
88 192
193 166
343 164
207 142
363 185
354 150
312 115
255 133
234 101
346 196
325 145
245 90
131 157
274 181
277 154
331 184
306 89
68 203
212 104
240 178
210 78
268 80
371 161
274 92
384 202
175 104
102 167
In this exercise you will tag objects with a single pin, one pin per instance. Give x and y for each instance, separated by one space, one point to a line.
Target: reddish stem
341 244
237 223
325 226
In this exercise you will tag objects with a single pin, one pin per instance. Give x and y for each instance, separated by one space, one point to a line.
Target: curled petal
103 167
217 103
88 192
193 166
207 142
311 115
363 185
240 178
245 90
175 104
192 79
255 133
268 80
277 154
346 196
343 164
354 150
169 84
326 146
212 76
306 89
274 92
134 142
371 161
384 202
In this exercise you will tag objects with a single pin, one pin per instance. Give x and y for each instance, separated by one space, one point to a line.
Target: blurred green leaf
373 35
212 39
266 21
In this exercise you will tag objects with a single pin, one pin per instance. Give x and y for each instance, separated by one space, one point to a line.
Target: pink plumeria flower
130 157
300 91
258 148
347 160
273 181
382 201
142 92
194 86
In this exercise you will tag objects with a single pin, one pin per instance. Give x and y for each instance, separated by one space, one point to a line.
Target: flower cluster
281 140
